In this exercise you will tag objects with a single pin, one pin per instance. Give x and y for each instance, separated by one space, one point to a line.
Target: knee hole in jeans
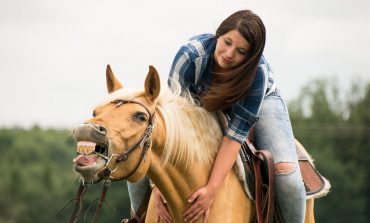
285 168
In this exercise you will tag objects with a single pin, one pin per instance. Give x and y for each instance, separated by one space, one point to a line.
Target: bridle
144 142
112 164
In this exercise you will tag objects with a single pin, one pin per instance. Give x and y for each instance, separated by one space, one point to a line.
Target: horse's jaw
87 163
89 172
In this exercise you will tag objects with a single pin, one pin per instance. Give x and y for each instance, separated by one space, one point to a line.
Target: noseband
112 164
144 142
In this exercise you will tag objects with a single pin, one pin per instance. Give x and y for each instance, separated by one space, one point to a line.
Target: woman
227 72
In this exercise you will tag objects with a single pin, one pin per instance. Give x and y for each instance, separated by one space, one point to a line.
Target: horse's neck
175 184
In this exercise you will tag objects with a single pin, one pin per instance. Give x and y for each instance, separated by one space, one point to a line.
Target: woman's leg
273 132
138 192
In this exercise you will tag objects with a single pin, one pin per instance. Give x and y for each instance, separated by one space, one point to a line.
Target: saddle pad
316 185
312 180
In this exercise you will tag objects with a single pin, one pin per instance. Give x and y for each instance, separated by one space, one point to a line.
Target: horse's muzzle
92 149
91 132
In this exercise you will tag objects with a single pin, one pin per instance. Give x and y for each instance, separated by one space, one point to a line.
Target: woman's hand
204 196
202 200
160 209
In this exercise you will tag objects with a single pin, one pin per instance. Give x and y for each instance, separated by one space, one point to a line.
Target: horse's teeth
86 143
85 147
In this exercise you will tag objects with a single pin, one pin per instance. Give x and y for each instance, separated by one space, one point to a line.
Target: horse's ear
152 84
113 83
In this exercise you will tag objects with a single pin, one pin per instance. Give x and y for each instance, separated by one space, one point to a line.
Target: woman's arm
161 212
182 69
204 196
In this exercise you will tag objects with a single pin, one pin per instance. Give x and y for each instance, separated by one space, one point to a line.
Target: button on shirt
191 68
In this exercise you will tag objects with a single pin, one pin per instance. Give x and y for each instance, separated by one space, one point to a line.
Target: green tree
335 129
38 179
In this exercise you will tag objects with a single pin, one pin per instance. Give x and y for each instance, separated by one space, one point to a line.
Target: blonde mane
193 134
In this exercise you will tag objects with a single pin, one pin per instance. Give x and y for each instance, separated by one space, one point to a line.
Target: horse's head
113 143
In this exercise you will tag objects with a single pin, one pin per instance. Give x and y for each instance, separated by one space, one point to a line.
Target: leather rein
112 164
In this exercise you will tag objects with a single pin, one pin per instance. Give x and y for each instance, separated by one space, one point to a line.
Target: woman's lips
226 61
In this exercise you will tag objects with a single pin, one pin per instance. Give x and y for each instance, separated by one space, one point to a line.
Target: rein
112 164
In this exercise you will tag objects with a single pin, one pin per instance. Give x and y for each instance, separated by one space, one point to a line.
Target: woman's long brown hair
229 87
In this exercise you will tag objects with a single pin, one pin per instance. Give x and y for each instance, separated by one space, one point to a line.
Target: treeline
38 178
334 126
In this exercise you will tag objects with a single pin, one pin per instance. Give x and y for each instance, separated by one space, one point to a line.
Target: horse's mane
193 134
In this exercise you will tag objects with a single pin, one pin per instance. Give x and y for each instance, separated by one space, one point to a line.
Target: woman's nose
229 53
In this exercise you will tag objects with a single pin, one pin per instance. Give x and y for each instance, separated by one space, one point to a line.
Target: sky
53 54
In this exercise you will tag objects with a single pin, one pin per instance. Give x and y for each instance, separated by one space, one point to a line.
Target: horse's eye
94 114
140 117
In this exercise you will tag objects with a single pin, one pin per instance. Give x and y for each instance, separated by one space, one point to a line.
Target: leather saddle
258 178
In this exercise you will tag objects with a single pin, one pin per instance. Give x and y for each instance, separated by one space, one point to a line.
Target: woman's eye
242 52
227 42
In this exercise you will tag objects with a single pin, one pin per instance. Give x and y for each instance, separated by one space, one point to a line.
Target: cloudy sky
53 53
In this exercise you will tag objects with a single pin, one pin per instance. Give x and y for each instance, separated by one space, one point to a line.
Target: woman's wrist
225 159
212 187
157 195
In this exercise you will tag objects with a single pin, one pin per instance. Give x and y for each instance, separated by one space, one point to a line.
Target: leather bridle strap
144 141
80 193
101 200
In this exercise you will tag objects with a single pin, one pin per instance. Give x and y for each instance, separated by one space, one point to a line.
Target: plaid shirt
191 68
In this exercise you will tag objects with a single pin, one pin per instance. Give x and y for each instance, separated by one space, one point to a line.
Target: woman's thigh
273 131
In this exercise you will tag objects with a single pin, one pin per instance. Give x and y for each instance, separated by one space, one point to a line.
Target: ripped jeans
273 132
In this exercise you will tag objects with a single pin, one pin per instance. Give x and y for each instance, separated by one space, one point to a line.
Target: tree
38 179
335 131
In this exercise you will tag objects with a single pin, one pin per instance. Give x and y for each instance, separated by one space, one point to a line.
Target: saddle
255 168
259 170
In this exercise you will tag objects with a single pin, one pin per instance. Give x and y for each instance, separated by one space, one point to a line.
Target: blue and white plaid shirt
191 68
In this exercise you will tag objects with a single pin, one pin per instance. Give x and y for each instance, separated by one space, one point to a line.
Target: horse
163 135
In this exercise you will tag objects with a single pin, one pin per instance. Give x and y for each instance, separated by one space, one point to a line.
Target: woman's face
231 50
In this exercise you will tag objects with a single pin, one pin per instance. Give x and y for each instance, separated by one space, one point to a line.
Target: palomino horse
166 137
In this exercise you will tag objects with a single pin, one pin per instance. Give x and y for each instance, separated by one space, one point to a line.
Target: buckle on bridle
112 159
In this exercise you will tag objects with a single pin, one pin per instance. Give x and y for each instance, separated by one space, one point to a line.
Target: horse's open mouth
91 158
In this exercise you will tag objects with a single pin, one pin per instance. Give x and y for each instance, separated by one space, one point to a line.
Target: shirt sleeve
244 114
182 70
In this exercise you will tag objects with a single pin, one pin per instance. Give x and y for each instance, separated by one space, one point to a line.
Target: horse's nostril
102 129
